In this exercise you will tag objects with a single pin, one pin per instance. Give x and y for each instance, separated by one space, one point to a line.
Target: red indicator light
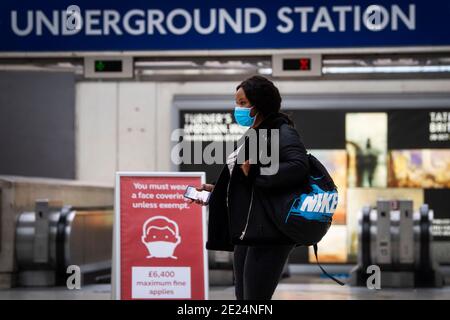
305 64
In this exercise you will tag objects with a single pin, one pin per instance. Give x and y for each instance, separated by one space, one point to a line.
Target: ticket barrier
399 241
56 236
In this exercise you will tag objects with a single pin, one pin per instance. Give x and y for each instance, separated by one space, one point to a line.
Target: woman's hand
203 187
206 187
245 167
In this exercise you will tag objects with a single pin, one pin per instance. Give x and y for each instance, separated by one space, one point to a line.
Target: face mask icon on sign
161 236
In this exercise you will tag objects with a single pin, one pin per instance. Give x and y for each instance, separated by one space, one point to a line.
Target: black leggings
257 270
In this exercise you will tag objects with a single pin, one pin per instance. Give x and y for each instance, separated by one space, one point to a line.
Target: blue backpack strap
323 270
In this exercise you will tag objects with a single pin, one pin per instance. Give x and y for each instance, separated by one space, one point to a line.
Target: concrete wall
127 125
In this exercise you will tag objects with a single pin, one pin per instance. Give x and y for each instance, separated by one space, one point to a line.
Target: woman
239 221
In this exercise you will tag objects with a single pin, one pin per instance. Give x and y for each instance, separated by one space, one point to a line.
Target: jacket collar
274 121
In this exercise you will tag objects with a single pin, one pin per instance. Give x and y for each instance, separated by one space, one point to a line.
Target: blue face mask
242 116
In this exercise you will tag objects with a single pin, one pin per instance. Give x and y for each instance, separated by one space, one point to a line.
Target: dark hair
262 94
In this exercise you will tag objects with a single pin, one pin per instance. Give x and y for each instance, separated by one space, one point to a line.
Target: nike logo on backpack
317 205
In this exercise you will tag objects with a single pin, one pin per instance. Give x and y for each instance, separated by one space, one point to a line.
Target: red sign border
116 272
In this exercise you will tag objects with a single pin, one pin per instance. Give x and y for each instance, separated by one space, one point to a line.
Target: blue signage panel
98 25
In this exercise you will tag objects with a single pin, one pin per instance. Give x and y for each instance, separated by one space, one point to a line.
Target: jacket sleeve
293 163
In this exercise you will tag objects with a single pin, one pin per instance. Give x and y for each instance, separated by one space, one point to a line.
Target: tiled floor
334 292
285 291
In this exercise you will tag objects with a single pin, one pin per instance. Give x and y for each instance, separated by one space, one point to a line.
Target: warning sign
159 238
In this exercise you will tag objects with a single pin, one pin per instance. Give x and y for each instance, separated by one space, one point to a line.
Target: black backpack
305 213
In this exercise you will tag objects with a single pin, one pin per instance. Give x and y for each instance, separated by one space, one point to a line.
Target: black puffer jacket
236 211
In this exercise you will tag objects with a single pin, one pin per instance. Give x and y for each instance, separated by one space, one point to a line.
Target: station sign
142 25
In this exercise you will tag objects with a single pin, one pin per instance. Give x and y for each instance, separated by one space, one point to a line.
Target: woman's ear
253 112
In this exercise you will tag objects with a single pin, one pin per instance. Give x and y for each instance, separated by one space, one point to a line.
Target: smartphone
194 194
